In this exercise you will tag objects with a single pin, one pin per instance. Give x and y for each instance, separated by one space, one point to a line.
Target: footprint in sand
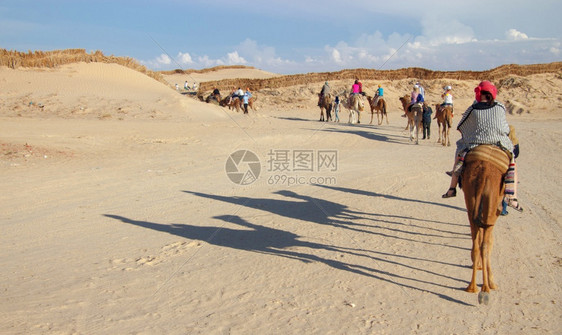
167 251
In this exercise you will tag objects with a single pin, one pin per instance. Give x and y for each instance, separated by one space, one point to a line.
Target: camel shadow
287 118
391 197
325 212
272 241
369 133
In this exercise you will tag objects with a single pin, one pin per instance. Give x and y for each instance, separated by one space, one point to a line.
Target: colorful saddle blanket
492 154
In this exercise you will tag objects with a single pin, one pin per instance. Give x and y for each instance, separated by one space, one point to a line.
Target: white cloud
184 58
205 61
438 29
233 58
163 59
514 35
453 35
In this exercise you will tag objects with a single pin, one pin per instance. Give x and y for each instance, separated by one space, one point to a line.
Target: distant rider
378 94
447 98
246 99
325 91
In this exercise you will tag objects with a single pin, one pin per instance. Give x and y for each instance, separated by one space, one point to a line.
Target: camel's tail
383 106
483 203
449 120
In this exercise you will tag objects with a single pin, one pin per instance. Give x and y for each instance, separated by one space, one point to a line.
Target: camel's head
405 100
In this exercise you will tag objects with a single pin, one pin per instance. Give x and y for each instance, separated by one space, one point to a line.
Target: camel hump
490 153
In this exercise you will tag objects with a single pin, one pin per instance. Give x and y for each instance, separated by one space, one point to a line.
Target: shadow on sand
267 240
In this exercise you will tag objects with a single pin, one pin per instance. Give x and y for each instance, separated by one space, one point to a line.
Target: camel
355 105
444 116
236 103
415 115
405 100
379 107
227 102
483 187
214 98
326 104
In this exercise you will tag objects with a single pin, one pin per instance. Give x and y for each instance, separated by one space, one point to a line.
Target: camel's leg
475 255
491 281
411 132
417 130
486 258
372 117
492 213
484 295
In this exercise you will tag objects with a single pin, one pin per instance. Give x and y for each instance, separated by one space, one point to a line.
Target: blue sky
293 36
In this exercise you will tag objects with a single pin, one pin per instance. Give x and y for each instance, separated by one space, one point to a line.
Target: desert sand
118 215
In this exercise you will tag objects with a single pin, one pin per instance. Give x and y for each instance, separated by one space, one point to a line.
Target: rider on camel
356 88
217 94
378 94
447 98
325 91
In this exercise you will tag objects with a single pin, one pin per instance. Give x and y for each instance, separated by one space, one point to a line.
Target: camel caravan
238 100
417 113
354 102
416 110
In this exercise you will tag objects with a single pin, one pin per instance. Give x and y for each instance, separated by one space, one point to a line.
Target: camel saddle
490 153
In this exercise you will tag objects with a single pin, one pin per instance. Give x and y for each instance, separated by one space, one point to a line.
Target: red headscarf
485 86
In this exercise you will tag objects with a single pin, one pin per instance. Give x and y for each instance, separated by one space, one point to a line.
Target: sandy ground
118 216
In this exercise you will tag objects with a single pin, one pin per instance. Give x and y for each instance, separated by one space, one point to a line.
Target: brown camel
213 98
405 100
236 103
326 104
415 116
482 183
379 107
444 116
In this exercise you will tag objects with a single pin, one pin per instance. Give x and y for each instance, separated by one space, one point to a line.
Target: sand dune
118 215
